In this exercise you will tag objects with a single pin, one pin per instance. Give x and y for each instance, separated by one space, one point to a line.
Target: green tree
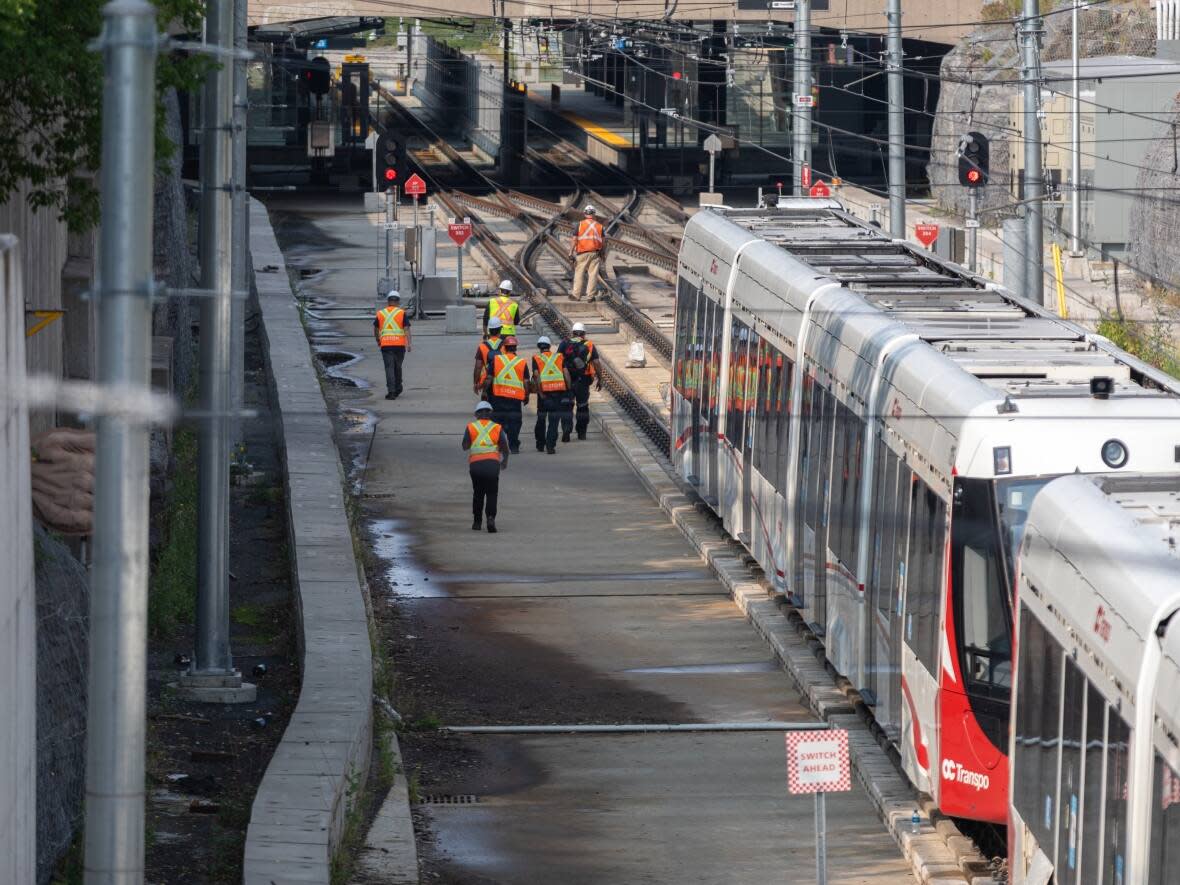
51 99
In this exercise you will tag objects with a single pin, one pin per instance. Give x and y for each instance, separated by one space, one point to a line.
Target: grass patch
174 579
70 868
1148 342
250 614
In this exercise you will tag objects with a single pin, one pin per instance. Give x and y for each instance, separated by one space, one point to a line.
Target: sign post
817 763
712 146
415 187
926 234
459 232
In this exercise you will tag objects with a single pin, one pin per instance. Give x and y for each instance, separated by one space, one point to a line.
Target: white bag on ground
636 358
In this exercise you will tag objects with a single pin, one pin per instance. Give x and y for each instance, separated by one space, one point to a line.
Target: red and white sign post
805 175
817 762
820 189
459 232
926 234
415 187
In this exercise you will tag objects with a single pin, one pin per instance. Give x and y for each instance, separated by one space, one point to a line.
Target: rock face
981 75
1154 225
63 604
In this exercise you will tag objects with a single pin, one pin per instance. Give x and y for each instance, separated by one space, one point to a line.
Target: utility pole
801 138
212 677
1034 247
1075 203
241 230
896 124
117 700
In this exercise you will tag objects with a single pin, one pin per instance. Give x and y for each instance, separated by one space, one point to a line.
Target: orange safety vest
551 371
508 376
589 236
485 440
486 348
391 322
505 309
588 372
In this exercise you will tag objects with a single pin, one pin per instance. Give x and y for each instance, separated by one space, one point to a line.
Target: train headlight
1114 454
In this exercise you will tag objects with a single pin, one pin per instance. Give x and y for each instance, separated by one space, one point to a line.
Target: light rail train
1095 787
874 424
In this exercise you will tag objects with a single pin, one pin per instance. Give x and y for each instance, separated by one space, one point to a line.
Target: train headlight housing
1114 454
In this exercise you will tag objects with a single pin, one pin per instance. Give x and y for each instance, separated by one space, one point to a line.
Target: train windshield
1014 498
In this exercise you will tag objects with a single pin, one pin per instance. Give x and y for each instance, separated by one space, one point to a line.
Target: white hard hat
579 327
483 406
495 323
392 294
544 339
505 285
590 210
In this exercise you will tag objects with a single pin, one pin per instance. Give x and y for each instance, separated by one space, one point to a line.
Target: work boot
581 434
491 526
515 450
476 525
540 447
551 451
391 396
565 437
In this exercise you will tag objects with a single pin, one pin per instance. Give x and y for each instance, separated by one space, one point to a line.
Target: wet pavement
587 607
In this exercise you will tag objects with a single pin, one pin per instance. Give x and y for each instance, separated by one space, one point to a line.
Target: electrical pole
1034 247
801 138
896 124
1075 203
212 677
117 700
241 231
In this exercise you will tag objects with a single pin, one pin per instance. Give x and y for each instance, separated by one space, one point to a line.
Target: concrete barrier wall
322 761
18 604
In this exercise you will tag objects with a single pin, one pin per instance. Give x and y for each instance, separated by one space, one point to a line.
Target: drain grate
448 799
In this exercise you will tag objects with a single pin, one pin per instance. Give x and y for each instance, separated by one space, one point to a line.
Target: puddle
651 575
357 428
706 669
392 544
335 364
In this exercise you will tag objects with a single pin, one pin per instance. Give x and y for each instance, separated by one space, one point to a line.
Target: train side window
886 527
735 403
1030 711
1053 677
1164 863
1115 834
899 579
786 390
1072 712
854 451
1088 842
839 460
922 566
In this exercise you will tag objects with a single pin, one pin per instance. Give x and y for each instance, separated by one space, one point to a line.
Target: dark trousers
485 488
552 409
582 402
507 413
392 357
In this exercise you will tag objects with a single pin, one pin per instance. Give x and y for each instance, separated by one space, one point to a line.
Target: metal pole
1034 248
115 739
240 236
712 159
801 138
1075 204
212 663
459 275
896 124
389 233
972 230
821 839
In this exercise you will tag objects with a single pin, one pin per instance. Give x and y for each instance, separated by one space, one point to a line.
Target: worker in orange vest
555 399
507 389
581 359
391 328
488 348
486 446
586 250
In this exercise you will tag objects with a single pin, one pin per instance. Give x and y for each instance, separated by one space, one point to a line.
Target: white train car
873 425
1096 703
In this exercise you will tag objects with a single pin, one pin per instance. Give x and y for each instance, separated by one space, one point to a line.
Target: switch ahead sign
817 761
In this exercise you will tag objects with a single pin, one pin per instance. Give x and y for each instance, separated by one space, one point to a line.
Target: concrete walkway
589 606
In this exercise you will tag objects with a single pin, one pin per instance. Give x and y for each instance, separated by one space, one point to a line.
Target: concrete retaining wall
323 759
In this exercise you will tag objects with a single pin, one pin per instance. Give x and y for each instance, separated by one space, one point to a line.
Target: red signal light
973 175
390 174
676 75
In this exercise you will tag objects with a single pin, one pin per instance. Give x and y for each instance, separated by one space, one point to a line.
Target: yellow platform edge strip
602 134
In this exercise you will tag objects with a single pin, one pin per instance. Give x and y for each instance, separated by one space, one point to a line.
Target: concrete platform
588 606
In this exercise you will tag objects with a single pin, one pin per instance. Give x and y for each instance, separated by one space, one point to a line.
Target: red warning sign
415 186
460 233
820 189
926 234
817 761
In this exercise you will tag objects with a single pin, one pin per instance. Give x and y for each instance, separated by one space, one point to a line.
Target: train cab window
1014 497
1164 862
1115 833
979 592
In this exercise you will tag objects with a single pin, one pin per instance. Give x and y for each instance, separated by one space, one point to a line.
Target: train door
695 384
821 427
746 363
897 578
714 318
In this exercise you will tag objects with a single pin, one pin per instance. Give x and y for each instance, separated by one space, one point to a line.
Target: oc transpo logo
713 266
953 771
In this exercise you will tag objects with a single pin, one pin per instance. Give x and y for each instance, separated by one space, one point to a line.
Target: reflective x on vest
589 237
549 366
508 376
504 309
391 321
485 440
